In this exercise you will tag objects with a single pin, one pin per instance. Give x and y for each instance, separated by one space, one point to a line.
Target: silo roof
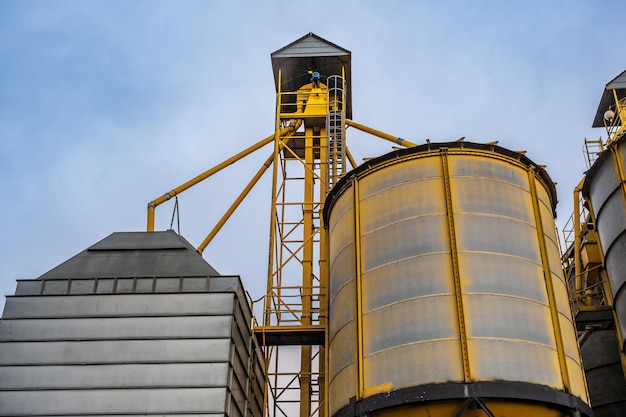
311 53
135 254
607 100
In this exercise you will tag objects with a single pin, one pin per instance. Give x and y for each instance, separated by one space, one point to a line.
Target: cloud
107 105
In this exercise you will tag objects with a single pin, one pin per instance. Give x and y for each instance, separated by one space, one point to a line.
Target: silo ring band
498 390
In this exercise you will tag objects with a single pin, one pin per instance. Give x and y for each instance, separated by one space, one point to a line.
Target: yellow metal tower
311 75
313 109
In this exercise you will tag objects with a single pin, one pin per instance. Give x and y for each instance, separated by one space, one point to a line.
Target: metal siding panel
342 388
604 182
115 328
415 364
29 287
120 351
494 234
478 195
119 305
341 358
490 273
486 167
505 317
508 360
342 310
116 401
114 376
82 286
167 285
409 171
399 240
417 320
401 202
55 287
407 279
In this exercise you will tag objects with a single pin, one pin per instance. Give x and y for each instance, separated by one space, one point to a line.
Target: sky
106 105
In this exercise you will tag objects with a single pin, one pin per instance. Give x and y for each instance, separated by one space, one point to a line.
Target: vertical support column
359 290
323 274
308 239
541 238
578 265
458 293
273 215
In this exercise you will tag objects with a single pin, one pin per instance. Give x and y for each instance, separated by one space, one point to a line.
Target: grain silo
137 324
446 291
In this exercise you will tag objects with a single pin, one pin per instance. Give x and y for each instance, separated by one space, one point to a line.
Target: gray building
137 324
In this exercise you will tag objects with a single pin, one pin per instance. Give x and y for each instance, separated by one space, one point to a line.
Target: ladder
592 150
336 127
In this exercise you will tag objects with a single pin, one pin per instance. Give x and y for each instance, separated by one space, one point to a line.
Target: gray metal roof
311 53
135 254
607 100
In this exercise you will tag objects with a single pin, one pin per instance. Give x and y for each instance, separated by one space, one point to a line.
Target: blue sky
105 105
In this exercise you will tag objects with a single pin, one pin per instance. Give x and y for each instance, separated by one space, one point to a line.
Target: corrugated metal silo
446 291
604 188
137 324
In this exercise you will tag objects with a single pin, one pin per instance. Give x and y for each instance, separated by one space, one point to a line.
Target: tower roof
607 100
311 53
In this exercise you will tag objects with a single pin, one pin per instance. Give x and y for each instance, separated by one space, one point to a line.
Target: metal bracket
474 403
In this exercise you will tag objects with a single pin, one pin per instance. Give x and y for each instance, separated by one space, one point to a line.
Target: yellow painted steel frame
621 114
578 241
455 266
359 291
382 135
548 277
297 276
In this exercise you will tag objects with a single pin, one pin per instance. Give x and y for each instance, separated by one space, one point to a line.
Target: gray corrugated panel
136 285
114 376
115 328
124 401
131 254
119 305
117 351
310 45
142 240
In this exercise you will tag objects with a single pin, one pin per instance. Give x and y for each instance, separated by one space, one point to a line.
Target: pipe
382 135
578 243
583 337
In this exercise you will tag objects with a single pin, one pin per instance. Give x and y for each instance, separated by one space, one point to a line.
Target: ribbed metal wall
161 346
445 267
604 186
605 377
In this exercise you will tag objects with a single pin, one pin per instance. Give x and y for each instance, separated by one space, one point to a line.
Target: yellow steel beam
556 323
578 234
359 290
235 204
351 158
382 135
454 256
273 214
307 270
206 174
